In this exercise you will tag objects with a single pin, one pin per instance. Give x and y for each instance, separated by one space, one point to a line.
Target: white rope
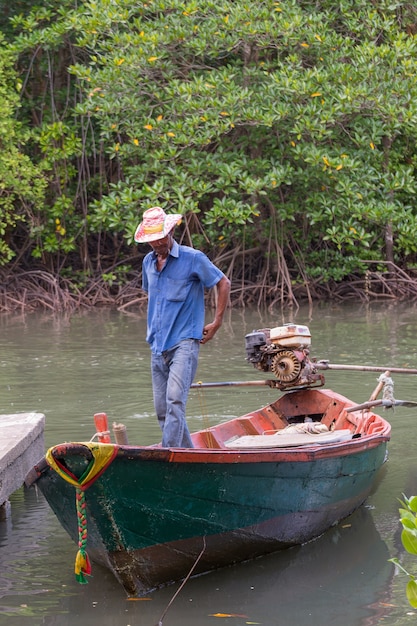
105 432
310 428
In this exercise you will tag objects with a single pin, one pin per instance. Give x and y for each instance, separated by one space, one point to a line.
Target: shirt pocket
177 289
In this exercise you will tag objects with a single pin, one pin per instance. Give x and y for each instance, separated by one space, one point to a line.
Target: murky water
72 367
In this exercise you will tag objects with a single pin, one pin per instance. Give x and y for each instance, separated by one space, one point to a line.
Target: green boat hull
149 519
153 515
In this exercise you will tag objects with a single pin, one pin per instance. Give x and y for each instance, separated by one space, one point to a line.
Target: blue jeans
173 372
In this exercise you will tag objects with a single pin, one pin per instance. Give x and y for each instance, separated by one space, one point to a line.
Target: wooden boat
249 487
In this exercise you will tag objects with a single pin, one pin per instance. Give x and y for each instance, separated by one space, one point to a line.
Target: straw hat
156 224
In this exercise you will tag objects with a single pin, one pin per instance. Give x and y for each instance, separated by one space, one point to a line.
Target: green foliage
289 121
117 277
408 519
21 182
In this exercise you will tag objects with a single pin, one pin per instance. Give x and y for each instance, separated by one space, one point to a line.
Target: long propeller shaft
324 365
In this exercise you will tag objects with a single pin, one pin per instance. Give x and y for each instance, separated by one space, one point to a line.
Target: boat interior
304 417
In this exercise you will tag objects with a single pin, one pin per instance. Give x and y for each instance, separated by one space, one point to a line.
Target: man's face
162 246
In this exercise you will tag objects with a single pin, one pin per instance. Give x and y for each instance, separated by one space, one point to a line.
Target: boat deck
253 429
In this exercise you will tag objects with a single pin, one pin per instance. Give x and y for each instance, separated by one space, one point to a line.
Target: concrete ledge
21 447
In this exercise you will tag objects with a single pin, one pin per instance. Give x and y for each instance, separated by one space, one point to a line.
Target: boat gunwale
299 454
304 453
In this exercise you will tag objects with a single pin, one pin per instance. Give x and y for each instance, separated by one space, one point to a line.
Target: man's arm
223 291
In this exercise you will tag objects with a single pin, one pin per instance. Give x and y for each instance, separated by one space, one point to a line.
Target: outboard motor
284 351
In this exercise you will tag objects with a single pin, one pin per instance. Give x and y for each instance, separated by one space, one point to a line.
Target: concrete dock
21 447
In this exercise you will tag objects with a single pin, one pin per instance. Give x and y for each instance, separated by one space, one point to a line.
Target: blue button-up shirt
176 295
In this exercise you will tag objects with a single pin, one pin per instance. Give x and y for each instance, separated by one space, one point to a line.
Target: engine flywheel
286 366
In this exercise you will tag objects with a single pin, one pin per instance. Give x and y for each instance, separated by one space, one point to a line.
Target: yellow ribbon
149 230
103 454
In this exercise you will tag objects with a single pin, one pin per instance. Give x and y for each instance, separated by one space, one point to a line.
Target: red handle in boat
102 427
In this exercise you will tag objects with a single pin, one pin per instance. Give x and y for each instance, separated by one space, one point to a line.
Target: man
174 277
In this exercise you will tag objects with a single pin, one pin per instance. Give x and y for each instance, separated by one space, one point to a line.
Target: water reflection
305 585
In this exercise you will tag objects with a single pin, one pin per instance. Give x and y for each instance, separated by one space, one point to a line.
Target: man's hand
209 332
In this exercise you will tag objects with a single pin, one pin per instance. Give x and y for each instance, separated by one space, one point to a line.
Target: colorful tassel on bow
103 454
82 567
82 562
